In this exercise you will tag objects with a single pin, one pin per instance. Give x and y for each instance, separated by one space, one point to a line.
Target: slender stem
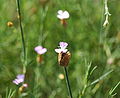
68 83
22 34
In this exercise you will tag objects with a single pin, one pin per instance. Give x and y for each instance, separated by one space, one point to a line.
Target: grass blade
101 78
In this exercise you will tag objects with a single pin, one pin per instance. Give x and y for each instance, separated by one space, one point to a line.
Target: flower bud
63 58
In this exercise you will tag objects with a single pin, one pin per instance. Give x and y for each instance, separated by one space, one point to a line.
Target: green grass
90 45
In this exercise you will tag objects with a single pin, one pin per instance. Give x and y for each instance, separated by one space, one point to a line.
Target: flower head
63 15
40 50
63 54
19 79
63 46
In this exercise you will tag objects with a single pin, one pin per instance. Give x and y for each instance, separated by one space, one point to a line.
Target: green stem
22 34
68 83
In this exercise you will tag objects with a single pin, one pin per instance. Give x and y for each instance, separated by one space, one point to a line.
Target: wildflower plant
63 60
88 79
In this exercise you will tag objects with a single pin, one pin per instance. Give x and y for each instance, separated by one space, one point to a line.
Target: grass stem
68 83
22 35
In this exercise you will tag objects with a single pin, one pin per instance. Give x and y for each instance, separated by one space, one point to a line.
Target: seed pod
63 58
39 59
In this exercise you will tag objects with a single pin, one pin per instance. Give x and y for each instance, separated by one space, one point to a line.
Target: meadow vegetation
94 45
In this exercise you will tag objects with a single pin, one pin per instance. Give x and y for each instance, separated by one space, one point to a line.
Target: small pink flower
63 46
25 85
40 50
19 79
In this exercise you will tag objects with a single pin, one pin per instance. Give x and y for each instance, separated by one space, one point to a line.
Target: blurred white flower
63 15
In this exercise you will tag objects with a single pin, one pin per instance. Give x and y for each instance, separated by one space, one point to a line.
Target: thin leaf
112 90
101 78
93 69
87 72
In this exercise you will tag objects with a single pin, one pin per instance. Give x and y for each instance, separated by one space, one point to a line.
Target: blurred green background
88 42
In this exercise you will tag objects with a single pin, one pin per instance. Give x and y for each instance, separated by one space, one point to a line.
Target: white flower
63 14
63 46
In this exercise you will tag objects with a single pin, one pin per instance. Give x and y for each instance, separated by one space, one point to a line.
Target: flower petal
42 51
66 15
15 82
38 48
20 76
60 12
63 45
64 50
58 50
60 16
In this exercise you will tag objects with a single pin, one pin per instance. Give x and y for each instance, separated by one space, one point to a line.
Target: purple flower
63 46
19 79
40 50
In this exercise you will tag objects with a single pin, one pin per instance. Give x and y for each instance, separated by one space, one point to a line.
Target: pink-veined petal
15 82
63 45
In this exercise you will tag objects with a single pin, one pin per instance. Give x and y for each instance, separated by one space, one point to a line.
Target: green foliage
88 42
